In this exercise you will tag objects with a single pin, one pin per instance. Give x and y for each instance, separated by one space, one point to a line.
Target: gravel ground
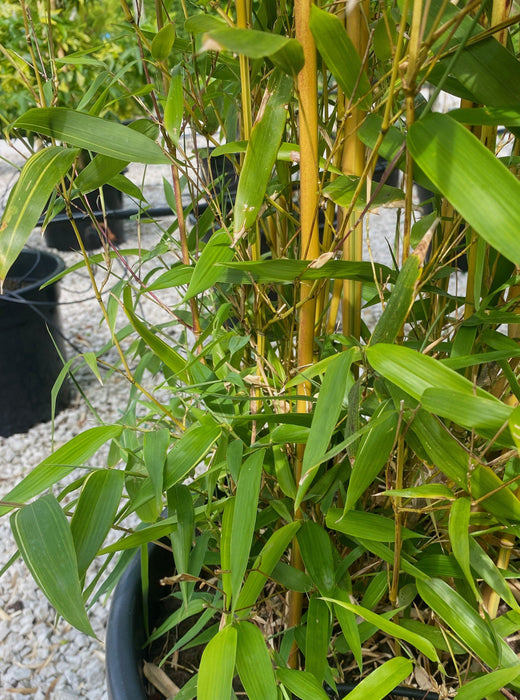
40 657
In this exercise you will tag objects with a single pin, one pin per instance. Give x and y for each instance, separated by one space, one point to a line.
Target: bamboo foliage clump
352 475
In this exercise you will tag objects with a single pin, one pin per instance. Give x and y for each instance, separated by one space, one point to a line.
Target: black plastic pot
30 331
125 633
60 234
125 630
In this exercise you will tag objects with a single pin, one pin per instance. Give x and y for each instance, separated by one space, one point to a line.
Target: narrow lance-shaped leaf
244 518
28 198
162 42
53 468
326 414
317 555
302 683
217 666
44 539
317 638
94 515
490 682
174 108
458 530
155 448
478 185
261 154
372 455
502 502
284 52
461 617
340 55
207 271
181 503
254 663
264 564
401 299
391 628
383 680
93 133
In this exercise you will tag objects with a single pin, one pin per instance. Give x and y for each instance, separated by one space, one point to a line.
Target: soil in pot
31 343
60 234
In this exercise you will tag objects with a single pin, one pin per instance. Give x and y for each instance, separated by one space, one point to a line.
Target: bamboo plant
351 511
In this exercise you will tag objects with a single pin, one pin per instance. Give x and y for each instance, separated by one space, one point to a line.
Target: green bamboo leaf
44 539
189 451
217 666
284 52
340 55
442 448
341 191
458 531
261 154
492 681
391 628
93 133
486 68
225 549
95 513
103 169
316 550
207 271
174 107
365 525
254 663
301 683
487 116
203 22
180 502
159 347
414 372
480 187
486 570
317 638
59 464
287 271
27 200
372 455
349 625
326 414
400 302
382 681
244 518
502 502
264 565
429 491
155 448
162 43
514 426
464 620
485 415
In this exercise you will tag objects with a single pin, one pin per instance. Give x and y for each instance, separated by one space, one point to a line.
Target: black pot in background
29 360
60 234
125 633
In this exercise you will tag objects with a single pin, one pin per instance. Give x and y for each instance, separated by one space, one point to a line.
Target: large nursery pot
125 632
60 234
31 337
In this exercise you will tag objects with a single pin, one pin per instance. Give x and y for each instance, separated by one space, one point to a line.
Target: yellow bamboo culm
309 249
353 164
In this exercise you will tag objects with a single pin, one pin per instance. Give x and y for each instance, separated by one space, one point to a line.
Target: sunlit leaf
254 663
93 133
217 666
478 185
28 198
